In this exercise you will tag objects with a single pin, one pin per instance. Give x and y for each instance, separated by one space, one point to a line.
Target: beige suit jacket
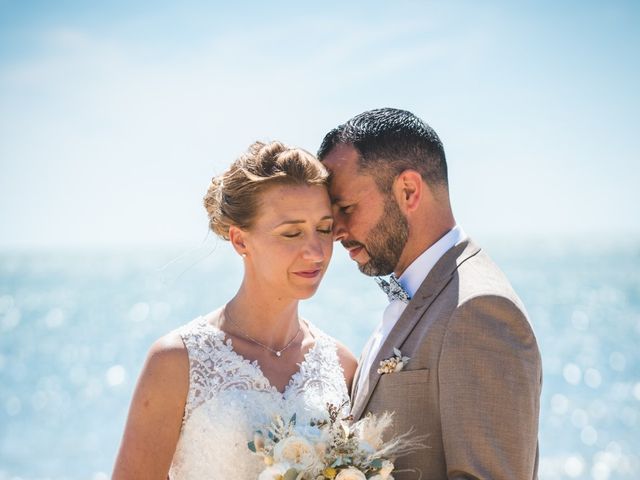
473 380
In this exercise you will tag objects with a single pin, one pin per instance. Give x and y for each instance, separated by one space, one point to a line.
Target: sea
76 324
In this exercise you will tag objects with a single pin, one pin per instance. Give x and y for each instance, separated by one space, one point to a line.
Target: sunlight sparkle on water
139 312
572 373
589 435
600 471
559 404
55 318
116 375
617 361
592 378
574 466
579 418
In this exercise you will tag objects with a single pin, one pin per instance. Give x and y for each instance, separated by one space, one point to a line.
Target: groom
472 382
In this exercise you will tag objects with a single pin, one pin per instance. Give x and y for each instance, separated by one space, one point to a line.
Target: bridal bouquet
333 448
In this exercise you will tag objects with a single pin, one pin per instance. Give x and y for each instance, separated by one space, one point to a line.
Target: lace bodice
229 396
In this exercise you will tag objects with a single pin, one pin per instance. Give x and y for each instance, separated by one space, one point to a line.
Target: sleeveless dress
229 397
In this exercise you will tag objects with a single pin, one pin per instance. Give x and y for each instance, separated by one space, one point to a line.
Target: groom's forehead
340 157
347 187
344 171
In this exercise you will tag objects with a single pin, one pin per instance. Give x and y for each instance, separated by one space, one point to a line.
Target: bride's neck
267 318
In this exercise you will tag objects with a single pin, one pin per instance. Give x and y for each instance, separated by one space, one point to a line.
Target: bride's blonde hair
233 198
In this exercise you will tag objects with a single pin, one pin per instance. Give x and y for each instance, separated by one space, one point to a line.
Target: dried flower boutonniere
393 364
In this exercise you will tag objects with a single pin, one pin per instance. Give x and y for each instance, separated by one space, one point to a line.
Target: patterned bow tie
393 289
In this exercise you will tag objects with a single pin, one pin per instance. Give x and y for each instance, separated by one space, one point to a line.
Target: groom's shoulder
478 275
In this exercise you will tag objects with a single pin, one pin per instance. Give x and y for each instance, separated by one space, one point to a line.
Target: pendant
278 353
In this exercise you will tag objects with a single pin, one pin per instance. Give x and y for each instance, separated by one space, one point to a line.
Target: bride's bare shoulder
166 365
156 411
169 349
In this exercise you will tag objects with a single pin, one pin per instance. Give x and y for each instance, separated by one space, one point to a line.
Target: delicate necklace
277 353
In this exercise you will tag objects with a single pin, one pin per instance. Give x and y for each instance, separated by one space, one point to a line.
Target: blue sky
114 116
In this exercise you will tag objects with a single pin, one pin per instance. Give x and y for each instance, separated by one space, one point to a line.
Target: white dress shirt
411 279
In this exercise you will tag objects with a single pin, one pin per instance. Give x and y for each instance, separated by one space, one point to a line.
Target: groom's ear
236 237
409 189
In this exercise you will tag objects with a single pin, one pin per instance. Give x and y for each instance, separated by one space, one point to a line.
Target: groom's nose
339 229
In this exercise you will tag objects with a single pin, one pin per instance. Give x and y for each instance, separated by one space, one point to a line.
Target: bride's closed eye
323 230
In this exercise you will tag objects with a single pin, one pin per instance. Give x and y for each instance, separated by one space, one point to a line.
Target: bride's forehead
309 203
294 196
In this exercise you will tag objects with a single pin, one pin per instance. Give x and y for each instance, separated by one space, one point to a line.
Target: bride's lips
309 273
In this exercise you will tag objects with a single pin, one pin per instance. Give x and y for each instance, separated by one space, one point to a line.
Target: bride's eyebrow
295 222
290 222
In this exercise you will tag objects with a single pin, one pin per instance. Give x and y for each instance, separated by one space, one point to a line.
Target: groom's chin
373 270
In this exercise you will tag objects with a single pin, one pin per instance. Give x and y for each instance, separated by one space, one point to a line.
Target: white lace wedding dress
229 396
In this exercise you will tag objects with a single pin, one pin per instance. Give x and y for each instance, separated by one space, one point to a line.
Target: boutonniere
393 364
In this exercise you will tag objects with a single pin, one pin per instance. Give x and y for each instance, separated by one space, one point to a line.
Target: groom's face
368 223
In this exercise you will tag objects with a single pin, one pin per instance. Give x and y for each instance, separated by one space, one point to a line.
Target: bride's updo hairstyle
233 198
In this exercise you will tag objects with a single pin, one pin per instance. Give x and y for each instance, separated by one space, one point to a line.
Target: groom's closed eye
345 209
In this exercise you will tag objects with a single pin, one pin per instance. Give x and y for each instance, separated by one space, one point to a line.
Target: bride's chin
304 294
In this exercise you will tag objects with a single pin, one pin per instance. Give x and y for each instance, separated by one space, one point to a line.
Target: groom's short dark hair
390 141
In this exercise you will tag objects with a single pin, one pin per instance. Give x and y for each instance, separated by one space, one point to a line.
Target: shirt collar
414 275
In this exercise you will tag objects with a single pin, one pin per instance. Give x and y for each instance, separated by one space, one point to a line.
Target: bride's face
289 246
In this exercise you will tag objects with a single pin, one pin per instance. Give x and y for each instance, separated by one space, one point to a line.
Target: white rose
350 474
295 450
312 433
274 472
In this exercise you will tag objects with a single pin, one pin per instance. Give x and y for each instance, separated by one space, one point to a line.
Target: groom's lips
354 252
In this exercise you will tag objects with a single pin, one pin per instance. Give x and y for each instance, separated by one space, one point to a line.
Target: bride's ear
237 239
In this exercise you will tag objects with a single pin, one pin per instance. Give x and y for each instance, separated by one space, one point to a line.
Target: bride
205 386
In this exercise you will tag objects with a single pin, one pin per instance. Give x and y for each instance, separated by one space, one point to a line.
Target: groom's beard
386 241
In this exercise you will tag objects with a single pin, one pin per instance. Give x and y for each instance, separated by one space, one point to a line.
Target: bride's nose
315 249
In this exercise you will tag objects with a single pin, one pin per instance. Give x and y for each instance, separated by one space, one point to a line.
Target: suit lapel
431 287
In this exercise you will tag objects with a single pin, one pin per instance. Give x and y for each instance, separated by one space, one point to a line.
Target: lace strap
327 347
202 347
324 361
